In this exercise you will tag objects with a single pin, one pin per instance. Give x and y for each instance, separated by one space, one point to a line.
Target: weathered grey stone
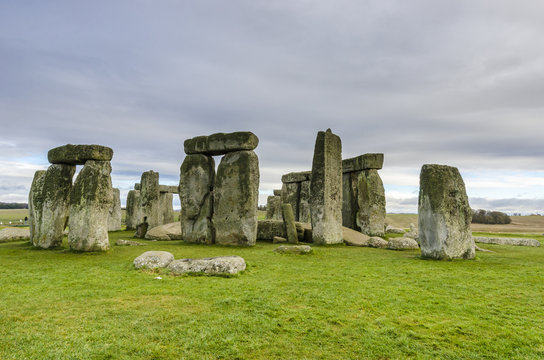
393 230
412 234
267 229
444 214
169 189
170 231
296 249
296 177
128 243
151 210
14 234
79 154
90 200
220 143
236 196
153 260
304 213
132 209
402 243
278 240
350 194
141 229
166 204
49 203
326 189
377 242
507 241
197 178
354 238
114 219
289 223
371 202
363 162
273 208
290 194
221 265
277 192
137 186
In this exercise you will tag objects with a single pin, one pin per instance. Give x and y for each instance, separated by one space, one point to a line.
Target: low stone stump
507 241
14 234
279 240
296 249
402 243
165 232
268 229
289 223
153 260
221 265
122 242
377 242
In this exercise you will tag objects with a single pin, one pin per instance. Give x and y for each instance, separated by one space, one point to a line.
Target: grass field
339 303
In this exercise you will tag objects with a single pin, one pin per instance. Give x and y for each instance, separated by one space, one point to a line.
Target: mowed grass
13 215
339 303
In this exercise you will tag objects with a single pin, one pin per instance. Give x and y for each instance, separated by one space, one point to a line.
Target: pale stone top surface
169 189
363 162
79 154
296 177
221 143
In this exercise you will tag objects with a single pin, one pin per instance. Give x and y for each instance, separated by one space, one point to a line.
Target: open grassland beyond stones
13 215
339 303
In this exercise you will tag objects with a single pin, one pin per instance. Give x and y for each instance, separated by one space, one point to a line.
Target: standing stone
49 199
132 209
371 201
304 214
350 195
150 207
90 201
289 223
236 199
114 220
166 204
290 193
197 177
444 214
326 189
273 208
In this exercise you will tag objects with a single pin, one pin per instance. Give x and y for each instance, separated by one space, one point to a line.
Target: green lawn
339 303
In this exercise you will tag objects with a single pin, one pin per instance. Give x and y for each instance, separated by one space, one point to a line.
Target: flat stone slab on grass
171 231
128 243
296 249
153 260
377 242
79 154
402 243
221 265
14 234
220 143
354 238
507 241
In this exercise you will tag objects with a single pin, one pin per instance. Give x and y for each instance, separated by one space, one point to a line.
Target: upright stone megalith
150 209
326 189
236 198
114 220
371 204
49 199
444 214
273 208
90 202
132 209
197 178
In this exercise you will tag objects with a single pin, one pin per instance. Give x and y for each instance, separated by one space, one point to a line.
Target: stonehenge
114 219
220 207
85 206
296 191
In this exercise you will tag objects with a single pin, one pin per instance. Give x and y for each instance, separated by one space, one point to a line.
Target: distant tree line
4 205
490 217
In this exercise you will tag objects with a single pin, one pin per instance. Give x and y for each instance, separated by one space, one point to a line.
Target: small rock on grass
377 242
128 243
153 260
297 249
221 265
402 243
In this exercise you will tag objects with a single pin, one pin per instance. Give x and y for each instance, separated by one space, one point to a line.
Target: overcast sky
455 82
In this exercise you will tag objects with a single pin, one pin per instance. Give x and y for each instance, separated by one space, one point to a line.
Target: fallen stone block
14 234
402 243
507 241
122 242
221 265
171 231
153 260
296 249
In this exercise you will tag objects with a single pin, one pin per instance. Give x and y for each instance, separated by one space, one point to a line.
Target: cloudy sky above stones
423 81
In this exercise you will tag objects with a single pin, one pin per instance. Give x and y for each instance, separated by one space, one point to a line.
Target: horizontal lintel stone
79 154
173 189
296 177
363 162
221 143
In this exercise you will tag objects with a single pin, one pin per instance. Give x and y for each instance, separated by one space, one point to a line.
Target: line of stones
220 208
363 195
84 206
149 204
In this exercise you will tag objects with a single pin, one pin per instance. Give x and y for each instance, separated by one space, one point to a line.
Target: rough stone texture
363 162
277 192
393 230
279 240
169 189
137 186
412 234
132 209
507 241
79 154
220 143
290 194
90 201
296 177
114 219
273 208
289 223
296 249
128 243
326 189
150 207
377 242
304 213
49 204
141 230
371 203
350 194
14 234
236 196
221 265
166 204
402 243
197 178
354 238
444 214
267 229
153 260
170 231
